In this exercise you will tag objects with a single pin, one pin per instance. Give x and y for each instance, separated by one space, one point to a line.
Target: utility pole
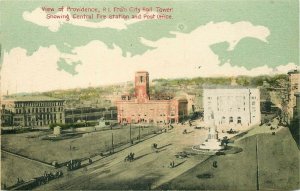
130 133
112 142
139 133
257 166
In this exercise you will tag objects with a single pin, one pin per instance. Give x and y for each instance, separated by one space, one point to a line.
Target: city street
150 169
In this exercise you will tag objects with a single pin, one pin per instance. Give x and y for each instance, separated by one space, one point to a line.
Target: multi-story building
265 98
141 108
32 111
294 77
90 114
231 106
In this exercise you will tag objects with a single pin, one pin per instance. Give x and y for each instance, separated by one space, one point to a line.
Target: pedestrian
215 164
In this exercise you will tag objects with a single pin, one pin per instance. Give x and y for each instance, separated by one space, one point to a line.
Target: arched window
230 119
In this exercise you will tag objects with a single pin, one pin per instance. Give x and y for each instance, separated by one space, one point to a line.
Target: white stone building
232 107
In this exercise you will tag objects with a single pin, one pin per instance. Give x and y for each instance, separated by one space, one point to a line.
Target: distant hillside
104 96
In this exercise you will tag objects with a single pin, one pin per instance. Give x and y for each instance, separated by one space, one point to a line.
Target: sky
203 39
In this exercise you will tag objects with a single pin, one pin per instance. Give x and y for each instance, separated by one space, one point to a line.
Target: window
223 120
141 79
239 120
230 119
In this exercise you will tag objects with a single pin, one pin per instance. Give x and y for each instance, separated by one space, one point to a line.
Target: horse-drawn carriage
129 157
73 164
231 131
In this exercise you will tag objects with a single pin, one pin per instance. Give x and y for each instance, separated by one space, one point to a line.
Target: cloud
38 16
41 18
186 55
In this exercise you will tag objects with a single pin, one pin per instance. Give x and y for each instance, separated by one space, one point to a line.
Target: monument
102 123
57 131
212 142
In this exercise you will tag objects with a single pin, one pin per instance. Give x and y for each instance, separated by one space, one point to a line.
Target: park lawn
87 145
278 166
13 168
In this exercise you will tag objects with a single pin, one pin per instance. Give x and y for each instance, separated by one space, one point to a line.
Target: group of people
48 176
51 176
73 164
172 164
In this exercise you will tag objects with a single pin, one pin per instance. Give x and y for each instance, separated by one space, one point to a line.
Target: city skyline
215 44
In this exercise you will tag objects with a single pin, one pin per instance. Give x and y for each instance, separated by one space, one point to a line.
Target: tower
142 86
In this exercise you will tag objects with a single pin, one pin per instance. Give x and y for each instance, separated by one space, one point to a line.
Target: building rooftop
142 71
30 98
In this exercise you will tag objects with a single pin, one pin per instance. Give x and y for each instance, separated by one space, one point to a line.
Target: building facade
232 107
139 108
90 114
297 107
32 111
294 77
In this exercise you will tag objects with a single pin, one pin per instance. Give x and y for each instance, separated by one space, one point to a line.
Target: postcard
149 95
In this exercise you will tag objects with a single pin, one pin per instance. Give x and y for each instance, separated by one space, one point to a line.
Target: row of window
230 109
39 117
39 104
39 123
146 121
39 110
228 97
231 119
172 114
